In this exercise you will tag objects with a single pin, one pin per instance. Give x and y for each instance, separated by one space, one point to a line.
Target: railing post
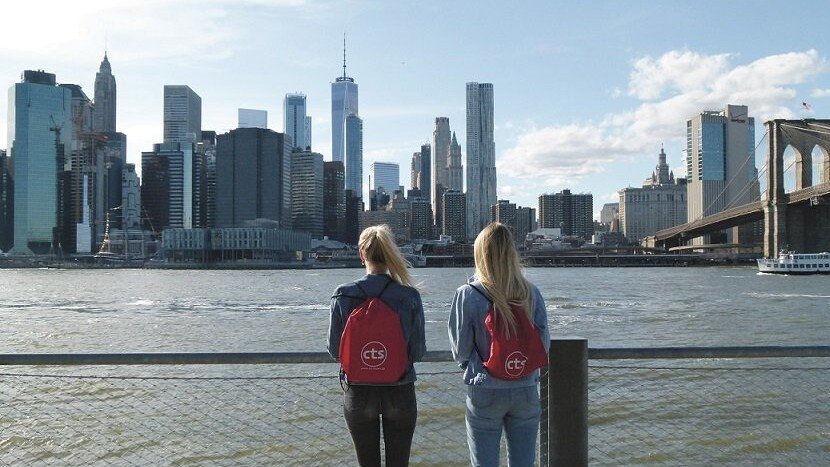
567 437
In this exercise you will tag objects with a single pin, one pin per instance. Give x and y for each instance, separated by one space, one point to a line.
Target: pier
688 405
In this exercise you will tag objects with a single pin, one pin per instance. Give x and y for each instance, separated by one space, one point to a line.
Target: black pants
366 407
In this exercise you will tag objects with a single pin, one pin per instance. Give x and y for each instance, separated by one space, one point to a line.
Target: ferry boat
789 262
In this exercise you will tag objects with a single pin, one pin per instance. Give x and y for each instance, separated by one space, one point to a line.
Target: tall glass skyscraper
297 123
440 167
386 176
481 157
343 104
39 135
720 167
354 154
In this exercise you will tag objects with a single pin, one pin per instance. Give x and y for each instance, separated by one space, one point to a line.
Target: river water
81 311
50 310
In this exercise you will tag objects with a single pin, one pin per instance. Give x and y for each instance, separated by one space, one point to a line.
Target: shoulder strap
385 286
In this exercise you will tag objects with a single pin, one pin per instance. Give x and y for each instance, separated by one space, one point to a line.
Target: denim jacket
406 301
470 340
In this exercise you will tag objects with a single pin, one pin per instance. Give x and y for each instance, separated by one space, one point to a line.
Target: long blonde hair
378 246
499 271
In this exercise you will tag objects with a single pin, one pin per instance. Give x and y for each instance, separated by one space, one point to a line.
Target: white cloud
820 93
672 89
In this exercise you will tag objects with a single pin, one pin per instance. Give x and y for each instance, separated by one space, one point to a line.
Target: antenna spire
344 55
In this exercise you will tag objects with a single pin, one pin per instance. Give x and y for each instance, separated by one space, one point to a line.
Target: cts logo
373 354
515 364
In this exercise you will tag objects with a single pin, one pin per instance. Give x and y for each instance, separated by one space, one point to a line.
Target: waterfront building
334 200
354 206
454 211
252 118
40 135
441 142
130 198
481 157
259 241
297 123
572 213
253 177
6 202
343 104
385 177
425 176
396 215
182 114
354 153
163 196
720 167
307 192
103 116
661 203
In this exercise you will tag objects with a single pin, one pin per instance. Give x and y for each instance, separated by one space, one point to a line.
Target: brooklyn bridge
797 220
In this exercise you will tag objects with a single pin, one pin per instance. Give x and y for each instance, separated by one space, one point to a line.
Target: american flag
806 106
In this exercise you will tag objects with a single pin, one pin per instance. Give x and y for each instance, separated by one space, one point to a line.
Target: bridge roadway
732 217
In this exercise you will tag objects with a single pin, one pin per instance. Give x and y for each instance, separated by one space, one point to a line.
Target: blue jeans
514 410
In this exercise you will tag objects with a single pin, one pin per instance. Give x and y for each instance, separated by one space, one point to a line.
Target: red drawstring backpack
517 356
372 347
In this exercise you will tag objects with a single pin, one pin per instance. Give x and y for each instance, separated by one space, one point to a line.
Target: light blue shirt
468 332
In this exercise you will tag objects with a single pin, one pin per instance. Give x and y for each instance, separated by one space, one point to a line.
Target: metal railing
706 405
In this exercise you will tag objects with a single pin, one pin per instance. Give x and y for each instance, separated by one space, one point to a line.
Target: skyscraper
307 192
720 166
182 114
334 200
456 169
40 135
252 118
440 166
297 123
163 194
6 203
415 171
425 179
253 177
103 117
454 210
354 154
343 104
481 156
386 177
573 213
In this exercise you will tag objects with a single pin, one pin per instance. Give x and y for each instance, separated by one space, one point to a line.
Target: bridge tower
804 228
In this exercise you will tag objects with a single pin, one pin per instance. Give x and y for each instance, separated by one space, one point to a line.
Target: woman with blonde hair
370 318
485 318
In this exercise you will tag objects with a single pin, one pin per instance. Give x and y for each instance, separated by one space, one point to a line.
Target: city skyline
613 121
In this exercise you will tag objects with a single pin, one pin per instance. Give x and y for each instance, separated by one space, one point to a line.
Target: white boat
789 262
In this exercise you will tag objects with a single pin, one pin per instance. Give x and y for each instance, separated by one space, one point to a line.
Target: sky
586 93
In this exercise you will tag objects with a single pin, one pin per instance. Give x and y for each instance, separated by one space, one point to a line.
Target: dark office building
6 203
162 187
354 206
455 215
334 199
420 218
204 181
253 177
574 214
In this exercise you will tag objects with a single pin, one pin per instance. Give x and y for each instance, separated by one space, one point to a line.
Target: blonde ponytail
378 246
499 271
